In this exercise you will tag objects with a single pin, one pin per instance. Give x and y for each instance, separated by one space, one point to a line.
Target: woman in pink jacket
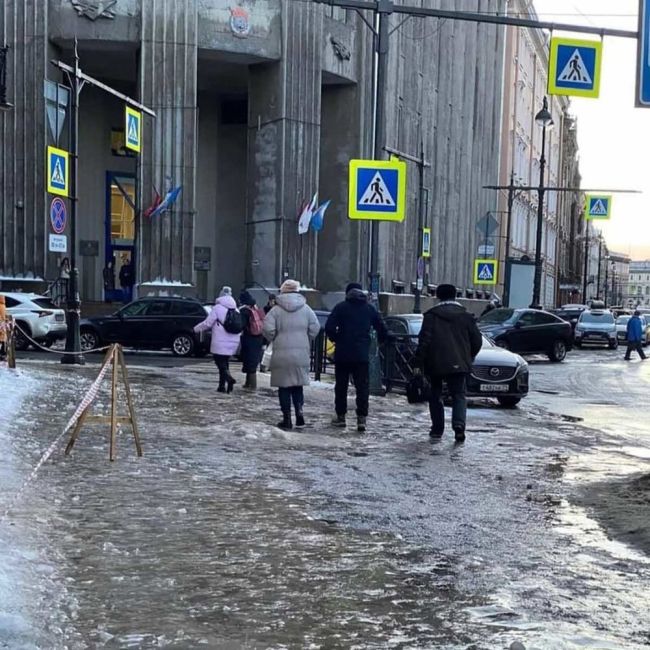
223 344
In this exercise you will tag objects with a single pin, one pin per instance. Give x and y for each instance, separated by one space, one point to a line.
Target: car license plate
494 388
59 318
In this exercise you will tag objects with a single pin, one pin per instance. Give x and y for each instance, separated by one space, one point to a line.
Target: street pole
73 305
600 253
419 282
586 262
537 284
606 283
511 200
383 10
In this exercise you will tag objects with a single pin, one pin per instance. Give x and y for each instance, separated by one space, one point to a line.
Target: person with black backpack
227 325
251 338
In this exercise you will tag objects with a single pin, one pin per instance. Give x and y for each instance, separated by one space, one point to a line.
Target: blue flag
319 216
168 201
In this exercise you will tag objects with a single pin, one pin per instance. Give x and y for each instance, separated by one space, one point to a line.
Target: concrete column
284 134
168 84
23 27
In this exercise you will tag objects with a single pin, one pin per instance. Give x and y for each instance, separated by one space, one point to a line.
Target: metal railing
57 291
398 360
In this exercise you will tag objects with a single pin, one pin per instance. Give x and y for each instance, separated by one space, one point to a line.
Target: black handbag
418 389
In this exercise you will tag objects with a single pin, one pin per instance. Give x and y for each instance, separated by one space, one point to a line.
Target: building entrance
119 263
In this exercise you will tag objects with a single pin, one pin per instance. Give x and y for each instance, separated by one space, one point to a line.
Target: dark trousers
290 394
359 374
224 370
456 387
634 345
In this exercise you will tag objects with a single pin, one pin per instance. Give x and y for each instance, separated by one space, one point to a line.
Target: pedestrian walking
252 340
291 326
226 324
348 327
635 336
449 340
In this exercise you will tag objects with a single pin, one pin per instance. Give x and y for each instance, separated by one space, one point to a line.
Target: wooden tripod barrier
115 357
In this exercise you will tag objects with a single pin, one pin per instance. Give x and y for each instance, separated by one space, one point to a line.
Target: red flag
157 200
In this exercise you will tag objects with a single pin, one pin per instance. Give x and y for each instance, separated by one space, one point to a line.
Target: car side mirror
518 325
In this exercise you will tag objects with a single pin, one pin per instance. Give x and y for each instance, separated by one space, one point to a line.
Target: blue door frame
115 293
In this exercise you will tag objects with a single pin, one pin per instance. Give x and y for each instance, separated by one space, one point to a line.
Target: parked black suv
150 324
528 331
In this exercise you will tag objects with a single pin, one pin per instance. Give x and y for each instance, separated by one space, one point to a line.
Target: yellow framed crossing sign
58 172
485 271
599 206
133 129
574 67
377 190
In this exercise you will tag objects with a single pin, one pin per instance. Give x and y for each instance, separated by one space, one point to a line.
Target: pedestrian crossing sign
133 128
58 172
377 190
599 206
485 271
574 67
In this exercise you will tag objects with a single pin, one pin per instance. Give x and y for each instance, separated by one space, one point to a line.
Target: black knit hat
245 298
353 285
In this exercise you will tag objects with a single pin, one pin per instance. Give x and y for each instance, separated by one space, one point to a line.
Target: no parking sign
58 216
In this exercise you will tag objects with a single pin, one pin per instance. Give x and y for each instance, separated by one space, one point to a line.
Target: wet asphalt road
230 533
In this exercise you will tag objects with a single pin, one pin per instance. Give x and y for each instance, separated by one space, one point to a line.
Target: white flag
306 215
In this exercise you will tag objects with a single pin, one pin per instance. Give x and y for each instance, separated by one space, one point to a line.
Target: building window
122 215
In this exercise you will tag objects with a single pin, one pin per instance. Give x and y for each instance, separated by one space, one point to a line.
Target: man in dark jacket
348 327
635 336
449 341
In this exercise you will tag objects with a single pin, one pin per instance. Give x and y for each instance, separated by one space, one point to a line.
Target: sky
613 135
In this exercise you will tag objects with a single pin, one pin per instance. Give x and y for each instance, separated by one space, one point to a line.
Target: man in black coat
449 340
348 327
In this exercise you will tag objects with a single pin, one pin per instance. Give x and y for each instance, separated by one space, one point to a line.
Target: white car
38 316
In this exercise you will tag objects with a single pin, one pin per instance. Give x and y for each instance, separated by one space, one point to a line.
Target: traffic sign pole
643 56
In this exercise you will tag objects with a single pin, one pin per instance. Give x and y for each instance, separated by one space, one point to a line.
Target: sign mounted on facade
133 128
574 67
485 271
240 23
377 190
599 206
58 172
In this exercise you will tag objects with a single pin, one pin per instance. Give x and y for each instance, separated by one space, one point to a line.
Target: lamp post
4 104
606 278
544 119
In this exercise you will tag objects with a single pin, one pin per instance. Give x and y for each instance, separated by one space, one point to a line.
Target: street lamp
4 104
545 120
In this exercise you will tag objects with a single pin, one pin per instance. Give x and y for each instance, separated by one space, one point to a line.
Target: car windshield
498 316
590 317
622 320
134 309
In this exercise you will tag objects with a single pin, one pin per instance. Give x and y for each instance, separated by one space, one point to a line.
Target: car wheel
508 402
89 340
613 346
558 351
20 340
182 345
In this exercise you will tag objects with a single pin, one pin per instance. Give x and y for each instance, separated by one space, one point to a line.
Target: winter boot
361 423
286 422
231 383
459 434
338 421
300 420
222 388
252 381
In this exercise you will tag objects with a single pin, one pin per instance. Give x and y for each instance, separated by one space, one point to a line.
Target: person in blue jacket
635 336
348 327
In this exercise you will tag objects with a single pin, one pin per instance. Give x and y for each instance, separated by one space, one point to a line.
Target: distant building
618 275
638 288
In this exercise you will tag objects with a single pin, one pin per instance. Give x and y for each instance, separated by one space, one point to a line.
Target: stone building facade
525 86
259 104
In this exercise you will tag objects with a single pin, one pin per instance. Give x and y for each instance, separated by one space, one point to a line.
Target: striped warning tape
90 395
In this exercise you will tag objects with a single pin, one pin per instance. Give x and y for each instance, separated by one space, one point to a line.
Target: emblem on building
240 23
341 51
94 9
